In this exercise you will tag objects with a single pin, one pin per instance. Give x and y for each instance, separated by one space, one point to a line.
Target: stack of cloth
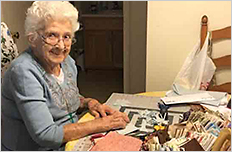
114 141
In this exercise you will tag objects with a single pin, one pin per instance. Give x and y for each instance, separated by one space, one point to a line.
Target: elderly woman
40 97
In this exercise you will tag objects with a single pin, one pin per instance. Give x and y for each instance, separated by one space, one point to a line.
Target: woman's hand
116 120
99 110
103 110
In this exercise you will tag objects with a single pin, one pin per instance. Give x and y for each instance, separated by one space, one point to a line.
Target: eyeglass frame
73 40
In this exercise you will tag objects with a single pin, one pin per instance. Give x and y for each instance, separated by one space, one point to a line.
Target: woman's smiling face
54 42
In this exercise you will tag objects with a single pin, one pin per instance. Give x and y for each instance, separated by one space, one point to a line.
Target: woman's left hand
99 110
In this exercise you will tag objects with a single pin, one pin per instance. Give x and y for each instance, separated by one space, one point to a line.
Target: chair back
222 62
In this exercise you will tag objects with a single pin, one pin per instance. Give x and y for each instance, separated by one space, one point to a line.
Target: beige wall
173 28
134 63
13 13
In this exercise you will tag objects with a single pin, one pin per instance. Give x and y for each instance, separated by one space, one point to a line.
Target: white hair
42 11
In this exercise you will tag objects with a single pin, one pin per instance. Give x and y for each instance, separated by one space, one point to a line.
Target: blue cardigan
34 106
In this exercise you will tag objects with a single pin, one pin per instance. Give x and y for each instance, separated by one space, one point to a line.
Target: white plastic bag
197 70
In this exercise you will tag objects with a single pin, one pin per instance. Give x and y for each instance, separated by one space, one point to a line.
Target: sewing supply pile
200 129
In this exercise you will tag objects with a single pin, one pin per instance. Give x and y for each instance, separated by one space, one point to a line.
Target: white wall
173 28
13 13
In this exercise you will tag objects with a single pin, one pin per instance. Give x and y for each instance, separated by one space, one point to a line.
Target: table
147 103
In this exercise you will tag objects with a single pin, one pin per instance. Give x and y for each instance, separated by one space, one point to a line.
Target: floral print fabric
8 47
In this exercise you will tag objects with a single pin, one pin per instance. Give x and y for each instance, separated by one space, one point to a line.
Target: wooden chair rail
223 62
225 87
224 33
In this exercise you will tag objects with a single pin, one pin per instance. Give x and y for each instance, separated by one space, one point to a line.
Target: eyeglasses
53 39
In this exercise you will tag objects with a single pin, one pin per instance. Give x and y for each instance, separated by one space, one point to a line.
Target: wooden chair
223 142
221 62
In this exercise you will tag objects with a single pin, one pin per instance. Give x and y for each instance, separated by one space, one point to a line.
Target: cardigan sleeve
31 102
